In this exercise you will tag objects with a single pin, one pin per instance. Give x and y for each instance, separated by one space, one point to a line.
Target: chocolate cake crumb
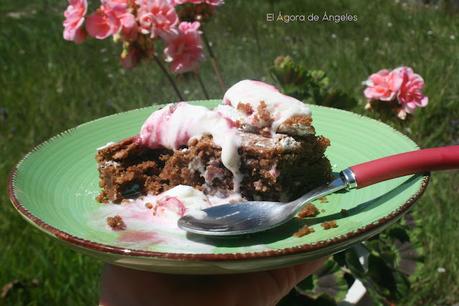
323 200
344 212
298 120
116 223
305 230
102 198
329 224
193 142
265 132
309 210
245 107
324 141
263 116
149 205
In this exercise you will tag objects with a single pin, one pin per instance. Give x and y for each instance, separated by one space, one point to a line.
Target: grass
48 85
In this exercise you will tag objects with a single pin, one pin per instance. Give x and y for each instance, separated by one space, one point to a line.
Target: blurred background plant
310 86
48 85
140 26
376 272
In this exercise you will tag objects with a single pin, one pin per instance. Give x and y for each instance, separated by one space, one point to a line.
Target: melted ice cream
151 221
175 124
280 106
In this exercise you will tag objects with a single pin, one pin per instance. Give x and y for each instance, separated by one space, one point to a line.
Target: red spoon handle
419 161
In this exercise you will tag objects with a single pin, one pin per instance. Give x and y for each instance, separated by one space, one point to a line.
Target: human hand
121 286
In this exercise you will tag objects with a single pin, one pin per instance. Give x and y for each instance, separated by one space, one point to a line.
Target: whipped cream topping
175 124
263 107
253 93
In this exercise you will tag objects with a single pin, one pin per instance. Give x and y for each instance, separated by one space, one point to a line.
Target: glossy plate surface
54 188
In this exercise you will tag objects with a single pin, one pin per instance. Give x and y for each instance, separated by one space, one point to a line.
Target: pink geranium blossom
129 27
185 50
410 94
120 9
383 85
157 18
111 18
74 19
400 88
101 24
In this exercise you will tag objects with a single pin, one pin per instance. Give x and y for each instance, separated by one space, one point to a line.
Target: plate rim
237 256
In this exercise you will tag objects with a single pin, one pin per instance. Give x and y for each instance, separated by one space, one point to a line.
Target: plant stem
168 76
204 90
213 60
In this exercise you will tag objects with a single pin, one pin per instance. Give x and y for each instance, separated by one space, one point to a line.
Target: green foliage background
48 85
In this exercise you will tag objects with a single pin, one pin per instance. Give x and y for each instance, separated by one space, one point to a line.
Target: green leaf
409 257
296 299
389 283
329 280
399 233
339 258
353 263
311 86
306 285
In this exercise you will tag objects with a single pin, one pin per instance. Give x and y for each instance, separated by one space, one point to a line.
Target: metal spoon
256 216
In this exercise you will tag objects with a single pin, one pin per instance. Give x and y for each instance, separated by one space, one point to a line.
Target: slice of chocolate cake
259 144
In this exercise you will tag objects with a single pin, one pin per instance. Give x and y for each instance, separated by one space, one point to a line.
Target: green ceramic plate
54 188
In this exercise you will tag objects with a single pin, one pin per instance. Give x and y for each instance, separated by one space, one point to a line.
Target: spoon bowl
237 219
254 216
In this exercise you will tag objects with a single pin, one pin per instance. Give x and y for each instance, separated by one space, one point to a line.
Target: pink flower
112 17
185 50
382 85
157 18
410 93
102 24
74 19
401 88
121 6
128 27
120 9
